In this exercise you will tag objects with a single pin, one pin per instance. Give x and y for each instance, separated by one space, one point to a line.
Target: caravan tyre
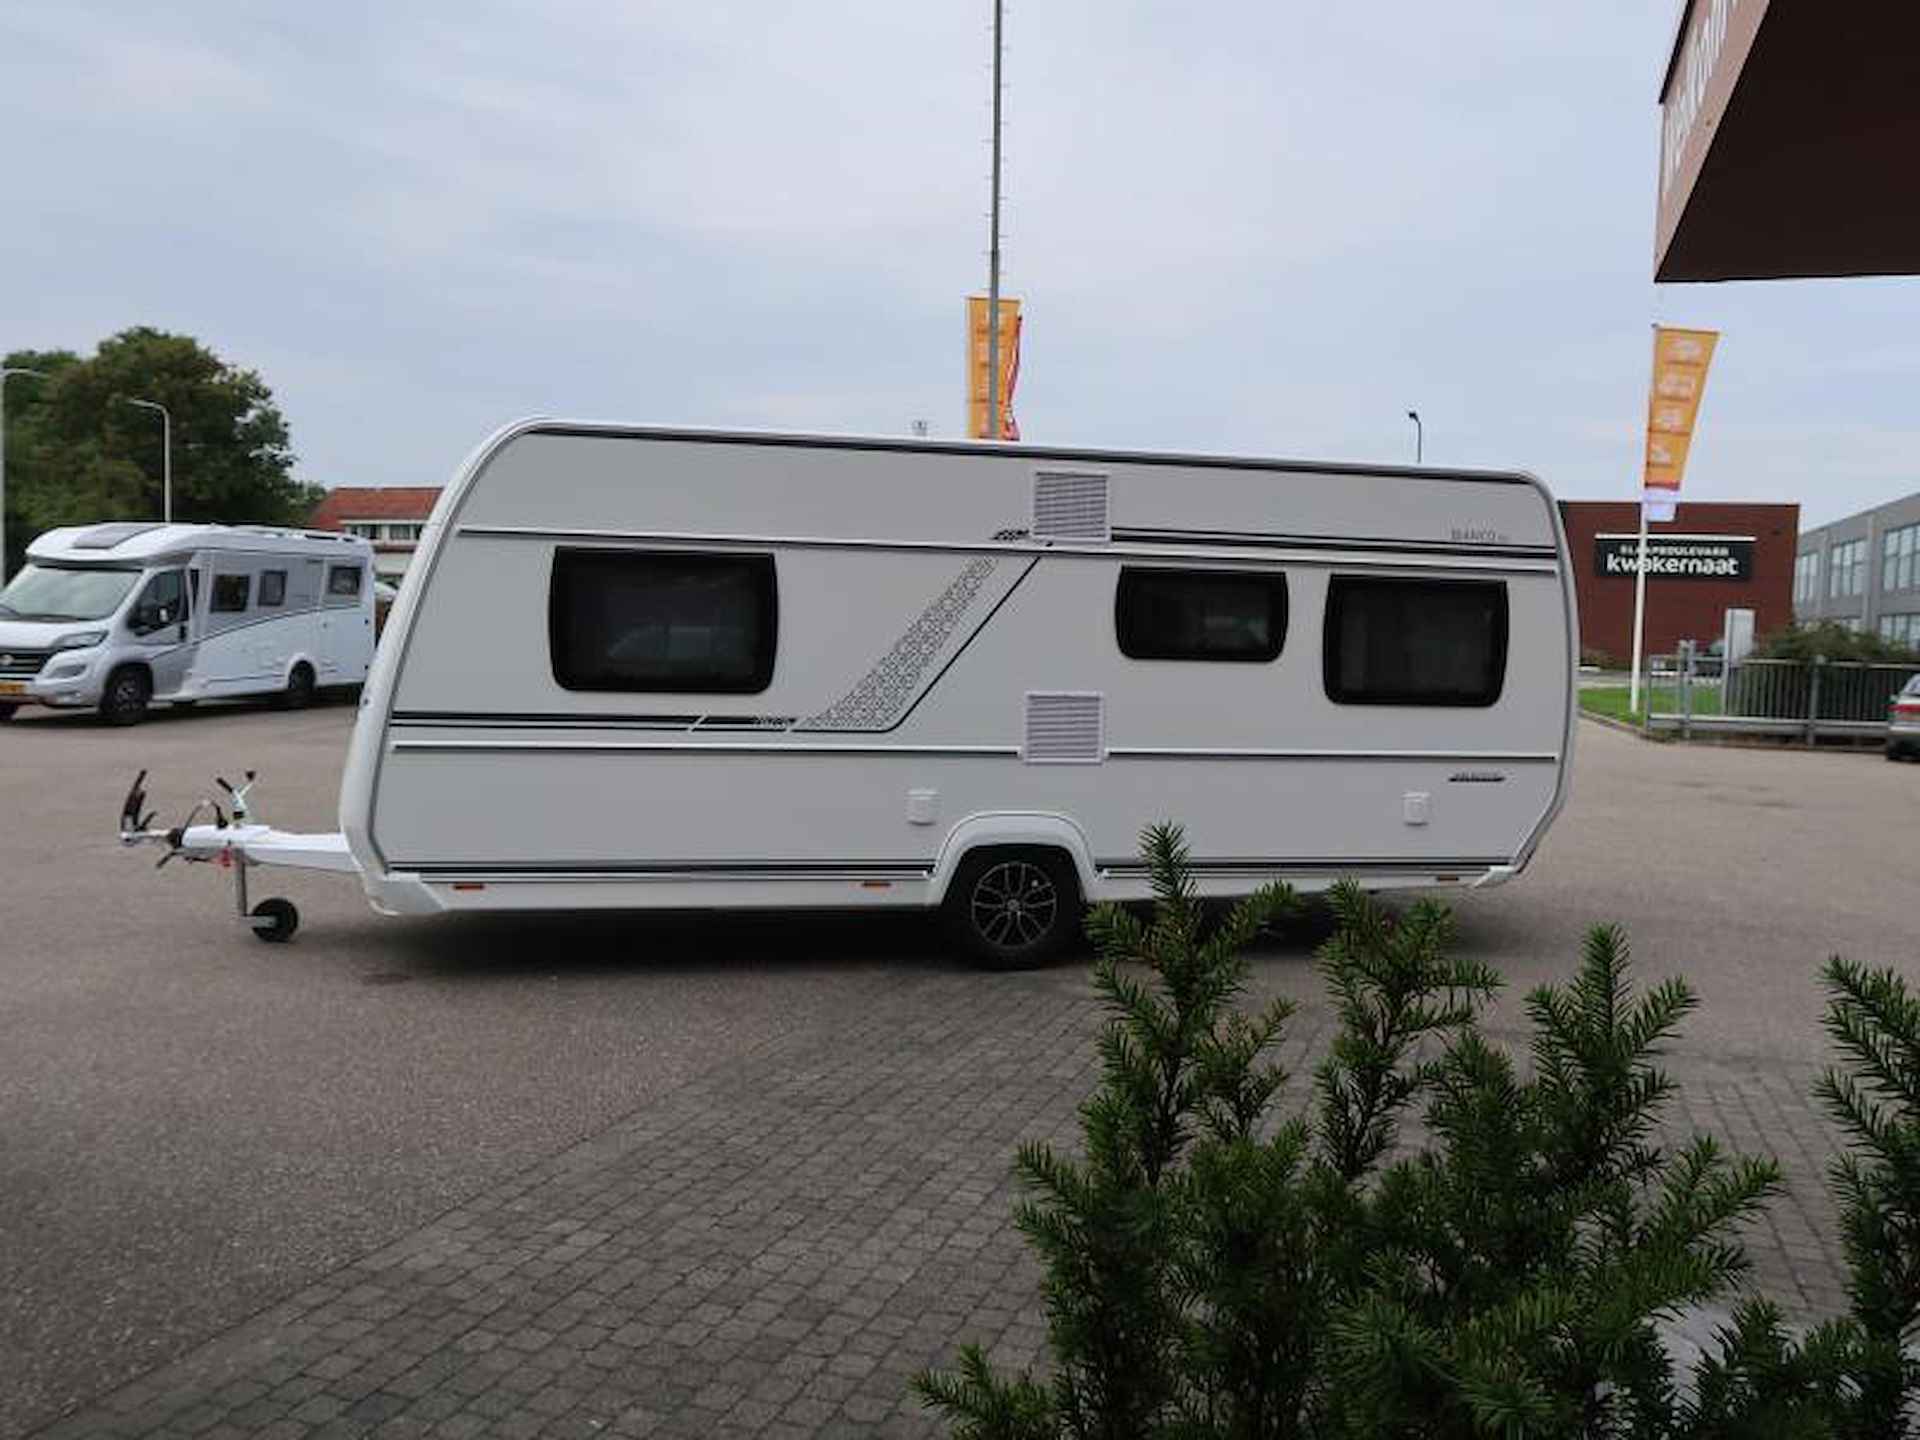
6 713
124 701
1014 909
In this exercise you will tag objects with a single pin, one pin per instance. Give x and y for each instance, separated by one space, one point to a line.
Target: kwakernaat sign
1680 362
1675 557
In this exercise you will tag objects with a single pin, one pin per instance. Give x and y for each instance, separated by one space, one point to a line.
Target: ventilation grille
1070 505
1065 727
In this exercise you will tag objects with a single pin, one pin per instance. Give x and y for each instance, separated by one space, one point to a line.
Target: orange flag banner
1680 361
977 348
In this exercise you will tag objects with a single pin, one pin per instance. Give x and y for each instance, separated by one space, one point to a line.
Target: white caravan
117 616
645 668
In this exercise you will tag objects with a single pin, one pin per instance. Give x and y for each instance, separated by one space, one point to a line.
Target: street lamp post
166 454
1419 436
5 371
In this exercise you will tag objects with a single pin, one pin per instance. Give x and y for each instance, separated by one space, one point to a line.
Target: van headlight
80 640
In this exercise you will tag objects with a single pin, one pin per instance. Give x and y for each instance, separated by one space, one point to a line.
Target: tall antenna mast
993 249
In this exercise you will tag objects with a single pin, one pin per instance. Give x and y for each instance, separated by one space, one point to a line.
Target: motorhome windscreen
653 621
61 592
1200 614
1415 642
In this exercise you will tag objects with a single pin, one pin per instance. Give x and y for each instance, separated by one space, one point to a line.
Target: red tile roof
368 502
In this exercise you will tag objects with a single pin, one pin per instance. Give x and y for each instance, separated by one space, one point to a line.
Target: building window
1200 614
662 621
365 529
273 589
1901 630
1415 642
230 593
1897 559
1806 578
1846 564
343 582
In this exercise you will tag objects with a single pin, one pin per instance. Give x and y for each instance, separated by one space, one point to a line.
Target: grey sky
1270 230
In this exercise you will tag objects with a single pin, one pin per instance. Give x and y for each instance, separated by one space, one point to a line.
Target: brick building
1708 559
392 517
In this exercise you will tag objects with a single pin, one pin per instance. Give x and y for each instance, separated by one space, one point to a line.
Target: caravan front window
59 592
662 621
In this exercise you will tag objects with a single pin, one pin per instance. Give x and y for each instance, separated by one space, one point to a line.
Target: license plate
13 687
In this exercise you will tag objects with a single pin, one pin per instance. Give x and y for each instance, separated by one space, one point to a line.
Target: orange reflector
876 884
1448 879
469 885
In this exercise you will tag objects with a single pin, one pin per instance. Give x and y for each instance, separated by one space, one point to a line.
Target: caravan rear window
1200 614
662 621
1415 642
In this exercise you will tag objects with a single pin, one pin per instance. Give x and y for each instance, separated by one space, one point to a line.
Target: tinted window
343 581
1415 642
230 593
657 620
273 587
1200 614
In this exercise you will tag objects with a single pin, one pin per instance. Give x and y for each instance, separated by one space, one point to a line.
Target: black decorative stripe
1415 864
540 720
896 869
1274 540
773 869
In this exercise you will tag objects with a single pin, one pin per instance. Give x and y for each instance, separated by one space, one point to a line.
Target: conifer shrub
1432 1238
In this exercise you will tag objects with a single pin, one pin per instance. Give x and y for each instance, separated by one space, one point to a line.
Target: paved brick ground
773 1249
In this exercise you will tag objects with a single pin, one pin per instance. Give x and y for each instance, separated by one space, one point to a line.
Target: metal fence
1821 699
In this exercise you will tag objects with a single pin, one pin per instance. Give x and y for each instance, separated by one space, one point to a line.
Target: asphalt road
193 1124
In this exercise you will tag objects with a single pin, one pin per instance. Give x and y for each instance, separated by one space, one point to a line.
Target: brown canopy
1790 131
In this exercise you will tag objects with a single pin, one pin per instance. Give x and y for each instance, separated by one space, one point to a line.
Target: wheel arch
1013 829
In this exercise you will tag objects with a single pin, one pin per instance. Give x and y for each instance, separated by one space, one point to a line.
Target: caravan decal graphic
880 698
883 692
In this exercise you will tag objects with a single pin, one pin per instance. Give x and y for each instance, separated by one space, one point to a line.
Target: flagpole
1639 612
993 250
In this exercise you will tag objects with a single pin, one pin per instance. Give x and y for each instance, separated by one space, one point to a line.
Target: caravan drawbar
640 668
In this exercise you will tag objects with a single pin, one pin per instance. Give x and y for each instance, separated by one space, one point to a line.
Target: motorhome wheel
1014 909
124 701
6 713
299 692
275 920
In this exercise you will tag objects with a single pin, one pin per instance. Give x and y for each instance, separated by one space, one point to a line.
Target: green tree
77 453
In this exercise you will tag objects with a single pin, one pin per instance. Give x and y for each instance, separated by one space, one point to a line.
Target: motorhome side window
230 593
1200 614
273 588
1415 642
662 621
343 582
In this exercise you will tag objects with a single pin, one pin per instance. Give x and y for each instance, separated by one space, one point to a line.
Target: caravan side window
1200 614
1415 642
273 589
662 620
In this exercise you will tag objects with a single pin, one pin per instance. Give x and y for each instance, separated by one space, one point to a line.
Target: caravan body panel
945 668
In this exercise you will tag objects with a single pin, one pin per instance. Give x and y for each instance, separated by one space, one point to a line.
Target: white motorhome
642 668
114 617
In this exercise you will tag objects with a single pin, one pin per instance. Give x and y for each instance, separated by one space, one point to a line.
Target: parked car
1903 722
